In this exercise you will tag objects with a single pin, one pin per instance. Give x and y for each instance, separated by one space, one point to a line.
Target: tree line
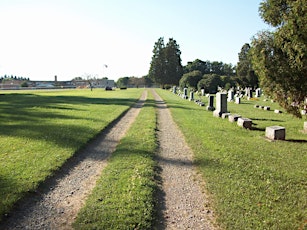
12 77
275 61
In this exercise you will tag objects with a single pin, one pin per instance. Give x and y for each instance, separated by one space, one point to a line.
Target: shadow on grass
296 141
265 119
19 119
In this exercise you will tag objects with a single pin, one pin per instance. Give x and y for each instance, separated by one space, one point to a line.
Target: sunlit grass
124 196
40 130
255 184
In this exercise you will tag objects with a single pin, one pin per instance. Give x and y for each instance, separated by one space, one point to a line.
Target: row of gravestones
271 132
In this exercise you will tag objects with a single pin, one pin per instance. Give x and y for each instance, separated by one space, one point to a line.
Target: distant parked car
108 88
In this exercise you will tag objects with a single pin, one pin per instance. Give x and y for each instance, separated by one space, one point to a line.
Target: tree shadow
19 117
296 140
264 119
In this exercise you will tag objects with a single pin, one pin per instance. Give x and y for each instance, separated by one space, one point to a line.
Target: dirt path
56 203
182 203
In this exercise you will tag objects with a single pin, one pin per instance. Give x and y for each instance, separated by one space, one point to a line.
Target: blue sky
70 38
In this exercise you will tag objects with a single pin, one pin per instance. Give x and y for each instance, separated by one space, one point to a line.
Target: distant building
96 83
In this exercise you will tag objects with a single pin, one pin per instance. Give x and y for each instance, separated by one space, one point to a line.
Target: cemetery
270 141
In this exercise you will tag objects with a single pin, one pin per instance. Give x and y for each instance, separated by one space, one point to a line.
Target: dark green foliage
203 67
165 66
122 82
210 82
207 67
24 84
190 79
245 72
280 57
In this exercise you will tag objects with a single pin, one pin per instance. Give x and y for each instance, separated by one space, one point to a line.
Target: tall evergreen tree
174 68
157 71
165 66
245 72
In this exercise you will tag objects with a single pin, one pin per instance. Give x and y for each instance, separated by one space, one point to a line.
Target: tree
245 72
203 66
174 68
190 79
157 71
280 57
210 82
165 66
122 82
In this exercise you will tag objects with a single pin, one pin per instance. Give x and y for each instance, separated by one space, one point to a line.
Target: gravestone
185 93
244 122
221 104
191 96
202 92
266 108
277 111
258 92
275 133
210 107
230 95
238 100
249 93
233 117
174 89
305 125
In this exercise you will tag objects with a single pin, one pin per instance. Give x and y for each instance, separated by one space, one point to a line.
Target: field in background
254 183
40 130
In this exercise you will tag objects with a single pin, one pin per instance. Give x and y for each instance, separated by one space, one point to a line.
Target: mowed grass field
254 183
40 130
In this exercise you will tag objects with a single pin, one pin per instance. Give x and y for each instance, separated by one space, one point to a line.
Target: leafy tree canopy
190 79
210 82
280 57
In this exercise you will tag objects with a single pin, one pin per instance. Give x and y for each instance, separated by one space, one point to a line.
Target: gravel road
181 199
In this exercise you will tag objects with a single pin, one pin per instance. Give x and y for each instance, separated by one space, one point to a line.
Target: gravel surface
56 203
182 201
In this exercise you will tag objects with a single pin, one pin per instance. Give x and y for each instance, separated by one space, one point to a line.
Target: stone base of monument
217 113
233 117
210 108
244 122
225 115
275 133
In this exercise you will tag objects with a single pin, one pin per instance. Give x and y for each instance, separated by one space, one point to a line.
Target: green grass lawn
254 183
40 130
124 195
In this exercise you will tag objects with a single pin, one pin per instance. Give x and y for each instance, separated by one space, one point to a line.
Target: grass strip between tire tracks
124 195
